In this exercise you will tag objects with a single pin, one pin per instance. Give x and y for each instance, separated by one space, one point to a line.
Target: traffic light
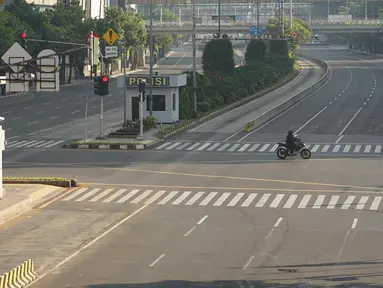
101 85
23 39
104 85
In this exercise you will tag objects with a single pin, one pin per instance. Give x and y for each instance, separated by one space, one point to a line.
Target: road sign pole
91 54
141 136
86 119
125 96
102 118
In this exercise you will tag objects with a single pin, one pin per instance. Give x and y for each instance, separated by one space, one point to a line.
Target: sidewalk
75 130
47 236
18 199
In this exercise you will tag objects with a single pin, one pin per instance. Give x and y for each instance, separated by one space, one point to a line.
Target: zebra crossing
33 144
234 147
224 199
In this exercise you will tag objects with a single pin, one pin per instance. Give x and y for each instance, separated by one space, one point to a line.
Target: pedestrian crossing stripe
32 143
267 147
227 199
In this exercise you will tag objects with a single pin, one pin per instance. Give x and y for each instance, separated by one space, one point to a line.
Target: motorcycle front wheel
282 153
305 153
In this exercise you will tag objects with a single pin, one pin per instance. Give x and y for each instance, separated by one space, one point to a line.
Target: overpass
318 27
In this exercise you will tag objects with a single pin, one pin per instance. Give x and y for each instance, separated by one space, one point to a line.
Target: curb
57 183
20 276
284 106
248 99
107 147
27 204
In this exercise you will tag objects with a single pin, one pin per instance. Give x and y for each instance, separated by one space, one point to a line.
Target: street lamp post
151 59
194 59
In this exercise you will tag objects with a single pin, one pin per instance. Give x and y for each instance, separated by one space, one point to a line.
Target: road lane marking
333 201
354 223
275 226
289 203
202 220
54 117
247 264
75 111
235 200
87 195
142 196
40 112
340 138
263 200
375 203
29 107
349 122
59 107
194 198
190 231
249 199
157 260
155 197
114 196
277 200
16 118
222 199
101 195
168 197
348 202
305 200
128 196
181 198
311 119
7 112
363 200
33 123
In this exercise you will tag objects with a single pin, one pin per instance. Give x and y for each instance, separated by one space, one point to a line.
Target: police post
141 89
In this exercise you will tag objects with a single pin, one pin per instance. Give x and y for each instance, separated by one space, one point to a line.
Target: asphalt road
205 219
175 218
27 114
346 110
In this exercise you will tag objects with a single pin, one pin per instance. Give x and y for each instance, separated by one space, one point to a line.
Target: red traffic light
105 79
23 35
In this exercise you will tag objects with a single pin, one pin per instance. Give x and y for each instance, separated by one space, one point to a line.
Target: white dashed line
54 117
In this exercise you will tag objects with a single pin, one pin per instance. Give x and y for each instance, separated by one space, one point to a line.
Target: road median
19 276
277 110
284 81
109 145
52 181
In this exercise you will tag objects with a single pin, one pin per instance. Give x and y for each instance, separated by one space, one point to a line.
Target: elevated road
319 27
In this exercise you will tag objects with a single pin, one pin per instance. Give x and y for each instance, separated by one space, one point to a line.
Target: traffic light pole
102 119
141 136
86 119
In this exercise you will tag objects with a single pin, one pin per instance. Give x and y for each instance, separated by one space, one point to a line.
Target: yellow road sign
110 36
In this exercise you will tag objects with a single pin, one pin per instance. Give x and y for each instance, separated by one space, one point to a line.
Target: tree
218 57
255 51
8 30
164 13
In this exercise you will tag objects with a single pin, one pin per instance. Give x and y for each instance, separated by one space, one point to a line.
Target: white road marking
354 223
202 220
157 260
247 264
190 231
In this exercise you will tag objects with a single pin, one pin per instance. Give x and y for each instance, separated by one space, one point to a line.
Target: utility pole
291 15
151 60
219 18
125 98
258 14
194 60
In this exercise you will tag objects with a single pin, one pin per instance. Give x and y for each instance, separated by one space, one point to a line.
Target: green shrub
255 51
218 56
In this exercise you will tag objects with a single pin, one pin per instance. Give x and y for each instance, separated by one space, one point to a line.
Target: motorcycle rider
291 141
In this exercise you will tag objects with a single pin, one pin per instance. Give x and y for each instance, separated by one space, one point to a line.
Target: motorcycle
283 151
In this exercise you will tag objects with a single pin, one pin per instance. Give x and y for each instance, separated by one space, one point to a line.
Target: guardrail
277 110
368 22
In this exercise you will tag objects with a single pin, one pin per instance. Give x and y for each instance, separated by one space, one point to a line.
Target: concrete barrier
20 276
275 111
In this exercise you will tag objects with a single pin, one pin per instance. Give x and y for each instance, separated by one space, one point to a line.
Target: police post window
159 103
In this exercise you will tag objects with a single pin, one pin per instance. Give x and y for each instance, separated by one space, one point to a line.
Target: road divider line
338 140
190 231
202 220
354 223
275 227
247 264
157 260
311 119
33 123
349 122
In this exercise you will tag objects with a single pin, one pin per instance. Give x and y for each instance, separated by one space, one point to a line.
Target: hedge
219 89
